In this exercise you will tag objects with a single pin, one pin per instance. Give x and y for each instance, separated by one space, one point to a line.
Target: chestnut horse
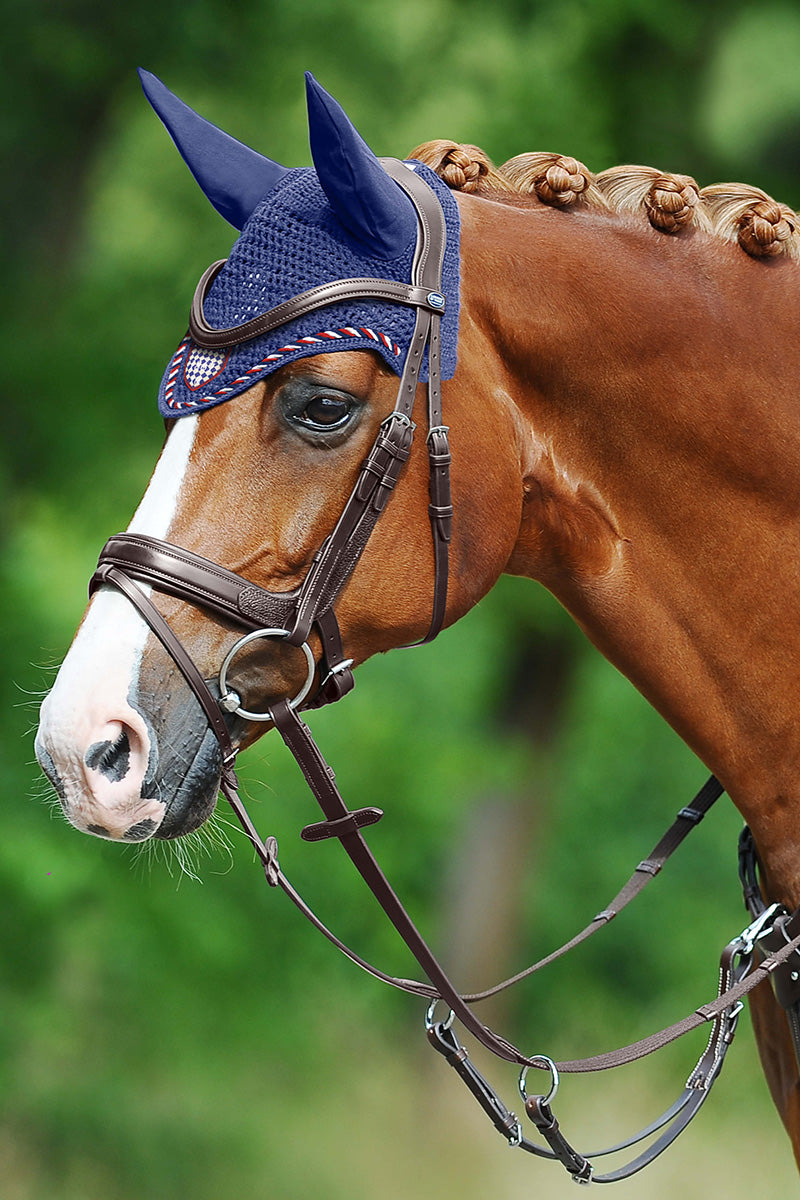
625 430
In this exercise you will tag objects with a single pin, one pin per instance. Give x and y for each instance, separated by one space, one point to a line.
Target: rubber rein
129 560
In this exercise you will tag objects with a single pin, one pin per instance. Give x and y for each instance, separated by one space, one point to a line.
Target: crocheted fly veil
343 219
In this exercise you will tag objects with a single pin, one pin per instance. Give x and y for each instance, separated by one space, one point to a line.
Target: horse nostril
140 831
49 768
112 759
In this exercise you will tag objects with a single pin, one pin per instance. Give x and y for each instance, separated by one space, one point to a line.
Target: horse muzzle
131 773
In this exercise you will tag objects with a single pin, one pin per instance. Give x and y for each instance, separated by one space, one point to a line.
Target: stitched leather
211 338
786 978
735 982
108 574
353 821
195 579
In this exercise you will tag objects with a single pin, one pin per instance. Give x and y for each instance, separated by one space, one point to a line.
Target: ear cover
232 176
345 219
367 202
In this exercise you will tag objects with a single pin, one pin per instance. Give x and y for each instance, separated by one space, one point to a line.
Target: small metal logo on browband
436 299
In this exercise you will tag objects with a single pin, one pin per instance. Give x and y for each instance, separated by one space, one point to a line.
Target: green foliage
161 1037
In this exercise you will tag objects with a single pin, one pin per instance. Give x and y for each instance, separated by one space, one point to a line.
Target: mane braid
673 204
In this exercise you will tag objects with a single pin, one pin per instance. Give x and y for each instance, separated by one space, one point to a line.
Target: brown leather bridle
130 559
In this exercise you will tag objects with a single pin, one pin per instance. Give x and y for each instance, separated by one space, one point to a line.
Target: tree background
162 1036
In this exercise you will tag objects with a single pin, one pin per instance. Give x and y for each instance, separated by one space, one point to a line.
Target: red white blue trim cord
349 331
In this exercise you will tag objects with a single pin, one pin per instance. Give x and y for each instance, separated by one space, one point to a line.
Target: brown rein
737 975
128 558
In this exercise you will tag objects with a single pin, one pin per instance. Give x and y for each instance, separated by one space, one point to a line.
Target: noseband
128 560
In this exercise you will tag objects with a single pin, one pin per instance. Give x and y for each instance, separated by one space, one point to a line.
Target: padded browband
423 295
210 338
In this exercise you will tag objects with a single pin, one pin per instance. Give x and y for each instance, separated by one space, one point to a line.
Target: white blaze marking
110 615
94 682
154 514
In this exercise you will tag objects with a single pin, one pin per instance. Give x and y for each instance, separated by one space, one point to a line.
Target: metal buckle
344 665
515 1138
445 429
397 415
749 936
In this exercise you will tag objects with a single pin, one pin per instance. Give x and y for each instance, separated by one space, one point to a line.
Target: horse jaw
95 743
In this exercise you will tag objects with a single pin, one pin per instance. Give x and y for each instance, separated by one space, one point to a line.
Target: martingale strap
737 975
737 979
780 930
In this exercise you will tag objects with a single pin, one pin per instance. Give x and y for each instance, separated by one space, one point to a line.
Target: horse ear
367 202
233 177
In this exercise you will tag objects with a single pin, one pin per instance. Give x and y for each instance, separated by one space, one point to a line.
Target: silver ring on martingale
231 702
540 1060
429 1016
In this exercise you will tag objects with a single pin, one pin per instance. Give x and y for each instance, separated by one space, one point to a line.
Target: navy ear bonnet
294 240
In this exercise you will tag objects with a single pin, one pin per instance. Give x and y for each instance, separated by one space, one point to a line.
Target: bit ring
230 700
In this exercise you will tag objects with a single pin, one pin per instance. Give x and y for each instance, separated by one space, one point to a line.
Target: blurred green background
164 1036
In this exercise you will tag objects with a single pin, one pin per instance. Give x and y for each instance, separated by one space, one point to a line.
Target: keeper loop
272 866
650 867
341 826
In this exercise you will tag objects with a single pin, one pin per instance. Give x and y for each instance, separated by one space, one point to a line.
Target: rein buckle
758 929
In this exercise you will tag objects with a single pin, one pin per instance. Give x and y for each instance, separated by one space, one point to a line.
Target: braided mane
736 212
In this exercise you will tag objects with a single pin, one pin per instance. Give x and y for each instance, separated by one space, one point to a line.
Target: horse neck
659 444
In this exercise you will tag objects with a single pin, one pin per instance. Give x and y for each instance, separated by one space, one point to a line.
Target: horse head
624 430
267 434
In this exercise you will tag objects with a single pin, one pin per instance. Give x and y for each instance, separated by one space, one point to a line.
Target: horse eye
325 412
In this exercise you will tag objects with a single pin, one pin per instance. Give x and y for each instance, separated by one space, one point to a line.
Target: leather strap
320 779
353 821
108 574
195 580
733 967
644 874
440 511
337 677
736 977
431 255
786 977
215 338
340 553
342 550
190 577
542 1116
